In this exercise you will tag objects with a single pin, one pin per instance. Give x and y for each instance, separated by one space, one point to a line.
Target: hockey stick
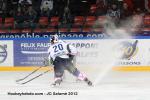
35 77
29 74
45 64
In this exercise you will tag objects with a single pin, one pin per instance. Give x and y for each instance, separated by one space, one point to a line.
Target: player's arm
72 51
48 61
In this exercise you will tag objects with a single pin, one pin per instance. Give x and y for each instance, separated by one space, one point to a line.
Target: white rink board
102 52
6 51
98 52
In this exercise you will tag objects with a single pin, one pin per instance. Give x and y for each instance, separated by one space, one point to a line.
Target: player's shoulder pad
62 41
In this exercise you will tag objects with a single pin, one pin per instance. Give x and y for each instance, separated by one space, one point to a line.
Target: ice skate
57 82
89 83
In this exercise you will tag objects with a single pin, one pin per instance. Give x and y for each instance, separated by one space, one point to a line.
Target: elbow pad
71 57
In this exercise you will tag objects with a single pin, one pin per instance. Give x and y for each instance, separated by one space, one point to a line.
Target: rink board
28 54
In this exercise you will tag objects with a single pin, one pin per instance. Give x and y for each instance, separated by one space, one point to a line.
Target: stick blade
19 80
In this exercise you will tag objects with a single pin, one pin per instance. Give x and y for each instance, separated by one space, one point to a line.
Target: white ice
114 86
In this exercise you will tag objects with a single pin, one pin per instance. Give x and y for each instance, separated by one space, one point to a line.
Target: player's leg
58 71
73 70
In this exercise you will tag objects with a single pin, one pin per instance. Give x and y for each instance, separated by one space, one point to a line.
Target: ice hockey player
61 55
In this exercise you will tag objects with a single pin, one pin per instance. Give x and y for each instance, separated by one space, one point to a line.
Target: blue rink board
78 38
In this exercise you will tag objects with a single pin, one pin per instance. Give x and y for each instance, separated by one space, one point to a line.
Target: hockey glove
48 62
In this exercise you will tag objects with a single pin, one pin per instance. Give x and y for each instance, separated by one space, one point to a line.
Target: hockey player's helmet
54 39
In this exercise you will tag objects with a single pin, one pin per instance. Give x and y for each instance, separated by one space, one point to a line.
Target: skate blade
55 85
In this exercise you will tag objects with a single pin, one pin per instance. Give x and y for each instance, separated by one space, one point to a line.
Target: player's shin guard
83 77
58 77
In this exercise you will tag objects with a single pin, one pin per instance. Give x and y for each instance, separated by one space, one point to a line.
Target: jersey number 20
58 47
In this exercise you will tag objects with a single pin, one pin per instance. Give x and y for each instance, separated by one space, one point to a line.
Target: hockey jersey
61 49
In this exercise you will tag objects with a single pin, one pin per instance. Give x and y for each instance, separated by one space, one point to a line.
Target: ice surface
114 86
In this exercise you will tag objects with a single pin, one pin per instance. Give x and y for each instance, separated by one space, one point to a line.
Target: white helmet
54 39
